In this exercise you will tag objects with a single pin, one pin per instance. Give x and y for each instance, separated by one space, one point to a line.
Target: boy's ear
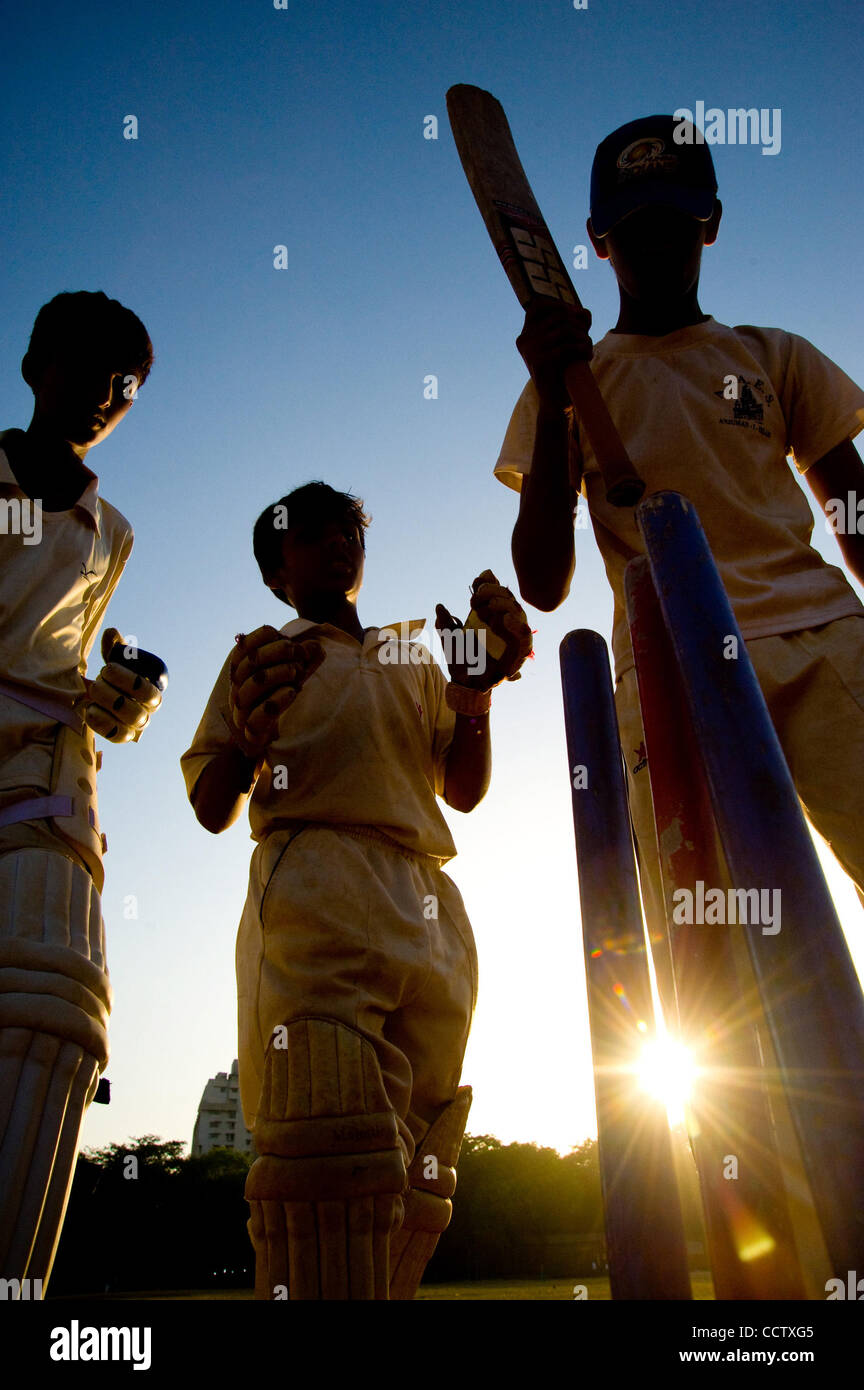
274 581
713 223
27 370
599 243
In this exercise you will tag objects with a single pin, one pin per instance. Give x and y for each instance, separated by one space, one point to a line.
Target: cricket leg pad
52 956
428 1208
325 1192
55 997
47 1085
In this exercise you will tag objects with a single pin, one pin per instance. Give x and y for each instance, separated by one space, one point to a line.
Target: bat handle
624 487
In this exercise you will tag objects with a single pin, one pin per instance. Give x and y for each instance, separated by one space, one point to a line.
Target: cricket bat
531 260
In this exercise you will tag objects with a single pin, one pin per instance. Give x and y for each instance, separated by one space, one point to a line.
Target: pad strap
36 808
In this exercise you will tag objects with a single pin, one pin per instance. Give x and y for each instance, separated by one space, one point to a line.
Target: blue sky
259 127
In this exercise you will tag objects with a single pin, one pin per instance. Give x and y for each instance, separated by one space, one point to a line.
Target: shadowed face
82 398
656 252
321 560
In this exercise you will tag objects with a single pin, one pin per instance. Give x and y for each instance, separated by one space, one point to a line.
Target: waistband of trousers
366 832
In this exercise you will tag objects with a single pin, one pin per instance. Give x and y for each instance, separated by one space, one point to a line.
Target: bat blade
530 258
503 195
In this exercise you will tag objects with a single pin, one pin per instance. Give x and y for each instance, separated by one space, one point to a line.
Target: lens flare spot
752 1241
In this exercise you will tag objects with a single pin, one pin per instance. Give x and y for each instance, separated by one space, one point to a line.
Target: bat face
504 197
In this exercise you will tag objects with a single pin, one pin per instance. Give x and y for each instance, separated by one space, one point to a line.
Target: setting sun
666 1069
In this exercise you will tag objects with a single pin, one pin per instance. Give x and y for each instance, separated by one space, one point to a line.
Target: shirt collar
88 502
403 631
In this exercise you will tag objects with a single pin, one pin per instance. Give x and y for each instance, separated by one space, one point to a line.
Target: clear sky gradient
304 126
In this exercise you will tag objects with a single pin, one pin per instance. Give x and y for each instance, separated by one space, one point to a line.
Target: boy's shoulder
710 332
779 353
772 339
113 522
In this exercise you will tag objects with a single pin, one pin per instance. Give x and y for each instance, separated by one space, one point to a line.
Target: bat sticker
542 265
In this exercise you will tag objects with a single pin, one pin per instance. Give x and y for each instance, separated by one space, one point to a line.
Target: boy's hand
554 336
267 673
119 701
503 614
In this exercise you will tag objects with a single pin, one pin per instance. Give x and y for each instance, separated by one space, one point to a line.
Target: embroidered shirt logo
88 573
641 758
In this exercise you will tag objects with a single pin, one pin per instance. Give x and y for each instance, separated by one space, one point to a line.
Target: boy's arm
554 336
223 789
834 476
542 545
217 783
469 760
261 678
469 763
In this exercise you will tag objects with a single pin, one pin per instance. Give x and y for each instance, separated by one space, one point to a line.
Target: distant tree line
143 1216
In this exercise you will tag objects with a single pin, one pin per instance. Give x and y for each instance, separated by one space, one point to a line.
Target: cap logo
646 156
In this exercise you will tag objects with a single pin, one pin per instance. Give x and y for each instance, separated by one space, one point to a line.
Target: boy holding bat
356 964
63 551
711 412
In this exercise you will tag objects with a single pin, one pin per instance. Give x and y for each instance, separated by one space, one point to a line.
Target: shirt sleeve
517 450
821 405
213 734
444 725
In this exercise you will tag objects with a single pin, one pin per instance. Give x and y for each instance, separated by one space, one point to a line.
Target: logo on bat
541 263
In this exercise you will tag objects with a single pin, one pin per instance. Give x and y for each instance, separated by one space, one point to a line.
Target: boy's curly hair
75 323
312 505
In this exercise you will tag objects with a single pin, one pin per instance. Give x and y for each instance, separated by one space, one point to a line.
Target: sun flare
666 1069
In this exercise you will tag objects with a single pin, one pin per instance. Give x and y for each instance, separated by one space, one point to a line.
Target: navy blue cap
642 164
